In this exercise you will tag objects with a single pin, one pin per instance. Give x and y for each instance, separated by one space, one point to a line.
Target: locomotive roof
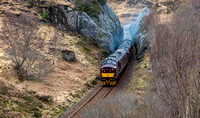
116 56
126 44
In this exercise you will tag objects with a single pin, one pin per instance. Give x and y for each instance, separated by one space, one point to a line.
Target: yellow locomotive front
108 73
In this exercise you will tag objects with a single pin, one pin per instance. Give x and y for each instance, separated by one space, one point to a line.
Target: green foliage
62 110
113 13
45 15
80 42
87 41
27 105
93 42
101 34
86 49
93 82
98 77
92 9
105 53
167 3
37 114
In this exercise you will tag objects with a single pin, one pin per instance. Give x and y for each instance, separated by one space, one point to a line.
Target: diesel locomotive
113 65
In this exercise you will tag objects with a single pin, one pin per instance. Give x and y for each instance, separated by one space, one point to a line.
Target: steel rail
85 102
106 93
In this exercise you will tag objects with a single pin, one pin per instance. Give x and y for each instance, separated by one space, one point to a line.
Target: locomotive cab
112 66
108 72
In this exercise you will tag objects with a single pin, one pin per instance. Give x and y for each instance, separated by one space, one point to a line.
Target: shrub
87 41
105 53
80 41
24 45
45 15
91 8
100 34
37 114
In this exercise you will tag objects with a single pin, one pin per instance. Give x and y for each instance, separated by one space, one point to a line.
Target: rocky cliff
105 28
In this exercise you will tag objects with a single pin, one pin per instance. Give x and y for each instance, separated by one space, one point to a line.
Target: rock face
105 28
141 44
65 17
68 55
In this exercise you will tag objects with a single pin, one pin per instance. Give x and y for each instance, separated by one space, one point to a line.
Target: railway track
93 98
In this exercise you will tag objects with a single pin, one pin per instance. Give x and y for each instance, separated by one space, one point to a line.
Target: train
113 66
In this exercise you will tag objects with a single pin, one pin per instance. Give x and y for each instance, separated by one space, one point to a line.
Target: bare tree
175 59
23 45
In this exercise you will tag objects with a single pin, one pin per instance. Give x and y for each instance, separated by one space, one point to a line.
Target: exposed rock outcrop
105 29
141 44
68 55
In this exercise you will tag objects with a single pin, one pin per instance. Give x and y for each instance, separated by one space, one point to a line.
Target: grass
59 110
121 105
90 59
23 104
141 74
80 41
86 49
29 108
93 82
94 53
87 41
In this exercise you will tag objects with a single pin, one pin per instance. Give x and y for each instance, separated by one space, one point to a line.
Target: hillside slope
64 85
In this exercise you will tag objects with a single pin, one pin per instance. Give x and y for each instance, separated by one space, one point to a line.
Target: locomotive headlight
102 69
112 69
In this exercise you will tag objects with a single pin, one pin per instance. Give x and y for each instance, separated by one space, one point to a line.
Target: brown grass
68 82
141 74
